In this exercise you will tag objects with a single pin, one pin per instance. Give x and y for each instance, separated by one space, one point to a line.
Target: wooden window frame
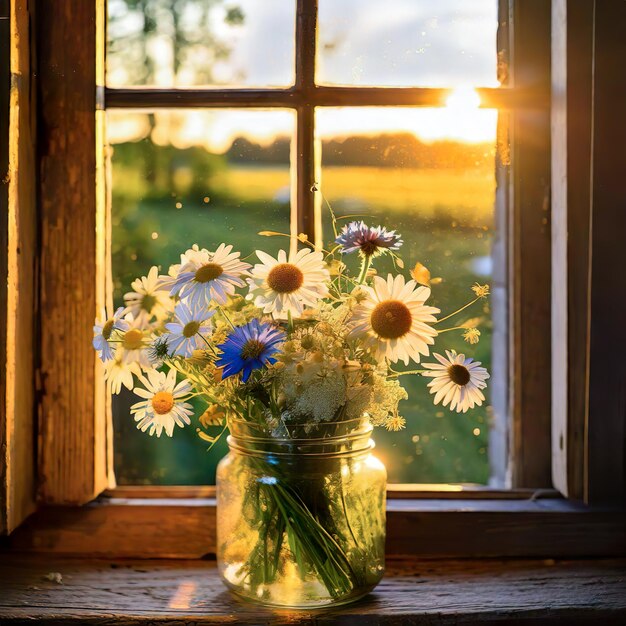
73 421
523 102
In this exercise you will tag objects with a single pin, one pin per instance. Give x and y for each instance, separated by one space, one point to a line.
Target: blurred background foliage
168 194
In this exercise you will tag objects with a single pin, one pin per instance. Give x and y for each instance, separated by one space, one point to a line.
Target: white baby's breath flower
163 406
280 286
118 373
210 276
149 298
393 319
106 330
187 329
457 381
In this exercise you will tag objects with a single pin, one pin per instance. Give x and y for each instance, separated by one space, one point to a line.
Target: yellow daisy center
133 339
252 349
208 272
107 329
162 402
148 302
459 374
285 278
191 328
391 319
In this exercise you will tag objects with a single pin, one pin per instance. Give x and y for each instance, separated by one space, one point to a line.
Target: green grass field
446 220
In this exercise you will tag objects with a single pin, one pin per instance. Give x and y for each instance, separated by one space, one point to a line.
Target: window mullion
306 157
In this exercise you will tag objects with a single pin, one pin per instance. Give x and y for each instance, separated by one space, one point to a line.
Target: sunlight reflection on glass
430 174
182 177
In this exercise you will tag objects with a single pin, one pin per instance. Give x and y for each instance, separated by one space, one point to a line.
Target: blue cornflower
368 240
248 348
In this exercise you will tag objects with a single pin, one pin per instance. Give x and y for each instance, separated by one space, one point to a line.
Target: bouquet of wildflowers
288 343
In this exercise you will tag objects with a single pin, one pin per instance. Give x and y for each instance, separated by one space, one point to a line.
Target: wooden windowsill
118 527
424 592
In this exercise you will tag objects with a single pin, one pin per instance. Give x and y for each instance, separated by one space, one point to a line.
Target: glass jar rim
353 437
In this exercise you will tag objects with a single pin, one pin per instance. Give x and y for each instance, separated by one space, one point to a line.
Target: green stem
397 374
443 319
365 266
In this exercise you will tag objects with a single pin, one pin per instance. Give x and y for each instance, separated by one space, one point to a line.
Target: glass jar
301 513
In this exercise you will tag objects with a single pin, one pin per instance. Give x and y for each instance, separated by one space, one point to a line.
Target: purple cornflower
367 240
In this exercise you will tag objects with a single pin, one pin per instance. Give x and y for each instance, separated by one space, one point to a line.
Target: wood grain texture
72 426
185 528
17 268
426 592
529 259
572 55
606 428
395 491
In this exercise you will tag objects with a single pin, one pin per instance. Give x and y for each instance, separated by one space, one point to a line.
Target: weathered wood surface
395 491
73 430
572 57
427 592
606 427
179 528
18 234
529 252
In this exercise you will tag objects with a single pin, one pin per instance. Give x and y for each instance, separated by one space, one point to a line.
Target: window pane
183 43
430 175
419 43
179 178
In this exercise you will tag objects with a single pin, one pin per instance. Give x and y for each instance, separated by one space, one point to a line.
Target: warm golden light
183 595
463 99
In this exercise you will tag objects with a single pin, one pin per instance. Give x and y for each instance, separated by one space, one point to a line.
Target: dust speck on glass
181 176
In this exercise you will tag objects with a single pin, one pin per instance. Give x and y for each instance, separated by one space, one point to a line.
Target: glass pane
403 43
430 175
184 43
179 178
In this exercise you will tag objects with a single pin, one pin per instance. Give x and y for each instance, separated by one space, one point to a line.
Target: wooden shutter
588 225
74 424
17 265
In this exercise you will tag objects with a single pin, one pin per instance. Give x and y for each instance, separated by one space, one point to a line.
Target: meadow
446 219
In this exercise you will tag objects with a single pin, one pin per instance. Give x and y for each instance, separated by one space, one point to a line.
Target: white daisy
149 298
187 329
166 281
208 276
105 330
457 381
134 342
279 286
393 319
117 372
163 406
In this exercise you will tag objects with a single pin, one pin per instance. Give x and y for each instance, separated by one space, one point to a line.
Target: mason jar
301 513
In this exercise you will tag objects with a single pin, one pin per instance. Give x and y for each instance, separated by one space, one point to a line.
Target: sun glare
463 99
461 119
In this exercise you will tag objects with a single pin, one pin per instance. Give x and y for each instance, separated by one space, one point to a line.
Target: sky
442 43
